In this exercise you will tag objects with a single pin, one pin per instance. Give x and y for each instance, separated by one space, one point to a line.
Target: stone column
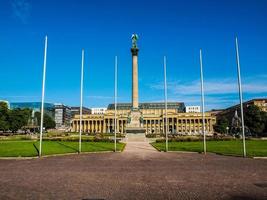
190 126
108 126
135 77
210 125
100 126
104 126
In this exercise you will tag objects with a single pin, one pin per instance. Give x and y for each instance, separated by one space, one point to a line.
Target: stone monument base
136 124
135 130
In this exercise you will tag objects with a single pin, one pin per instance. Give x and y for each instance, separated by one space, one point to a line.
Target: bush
150 135
76 139
198 138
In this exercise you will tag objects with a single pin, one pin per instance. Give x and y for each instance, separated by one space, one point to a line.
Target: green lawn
28 148
254 147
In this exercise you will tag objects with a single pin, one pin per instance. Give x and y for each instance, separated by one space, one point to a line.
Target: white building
192 109
97 111
62 116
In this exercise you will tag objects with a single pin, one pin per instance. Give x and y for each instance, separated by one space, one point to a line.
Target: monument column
134 51
135 117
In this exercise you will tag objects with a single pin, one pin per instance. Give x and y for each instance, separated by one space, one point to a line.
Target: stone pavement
138 144
140 172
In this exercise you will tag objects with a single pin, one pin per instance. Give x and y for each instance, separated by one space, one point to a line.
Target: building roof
78 108
31 105
160 105
258 99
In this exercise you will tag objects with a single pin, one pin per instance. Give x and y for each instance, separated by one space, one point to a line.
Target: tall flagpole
81 104
240 97
43 95
202 101
115 101
165 96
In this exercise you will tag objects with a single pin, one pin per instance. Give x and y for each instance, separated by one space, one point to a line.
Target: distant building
35 106
192 109
152 119
230 112
261 103
98 111
215 112
75 110
7 103
62 116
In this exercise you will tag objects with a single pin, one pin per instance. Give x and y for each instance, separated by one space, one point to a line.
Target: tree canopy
4 125
48 123
255 119
15 119
221 126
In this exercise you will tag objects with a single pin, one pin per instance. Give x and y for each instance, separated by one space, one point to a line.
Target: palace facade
153 119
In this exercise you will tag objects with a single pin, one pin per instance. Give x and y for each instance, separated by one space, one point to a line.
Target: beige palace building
178 122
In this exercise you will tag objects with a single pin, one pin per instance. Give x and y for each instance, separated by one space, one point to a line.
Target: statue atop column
134 40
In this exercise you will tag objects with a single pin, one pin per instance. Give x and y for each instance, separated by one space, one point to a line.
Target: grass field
28 148
254 147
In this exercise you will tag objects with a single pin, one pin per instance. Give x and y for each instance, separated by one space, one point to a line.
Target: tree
3 116
18 118
221 125
264 114
49 123
255 119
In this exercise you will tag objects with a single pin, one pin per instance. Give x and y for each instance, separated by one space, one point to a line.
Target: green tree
18 118
255 119
3 116
264 114
49 123
221 125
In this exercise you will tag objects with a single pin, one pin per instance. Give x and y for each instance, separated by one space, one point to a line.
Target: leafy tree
49 123
255 119
264 114
221 125
18 118
3 116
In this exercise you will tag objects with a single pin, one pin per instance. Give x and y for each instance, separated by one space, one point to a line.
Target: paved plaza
140 172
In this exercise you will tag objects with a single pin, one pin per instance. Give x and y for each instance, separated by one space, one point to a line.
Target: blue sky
177 29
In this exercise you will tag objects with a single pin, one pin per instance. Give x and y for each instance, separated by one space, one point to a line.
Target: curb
194 152
54 155
18 158
260 158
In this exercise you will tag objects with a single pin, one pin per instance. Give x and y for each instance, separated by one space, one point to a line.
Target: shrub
197 138
76 139
150 135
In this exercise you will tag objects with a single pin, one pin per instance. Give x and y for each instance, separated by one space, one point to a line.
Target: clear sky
177 29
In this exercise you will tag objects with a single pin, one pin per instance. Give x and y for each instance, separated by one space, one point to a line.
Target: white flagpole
115 99
165 95
43 95
240 97
81 105
203 103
